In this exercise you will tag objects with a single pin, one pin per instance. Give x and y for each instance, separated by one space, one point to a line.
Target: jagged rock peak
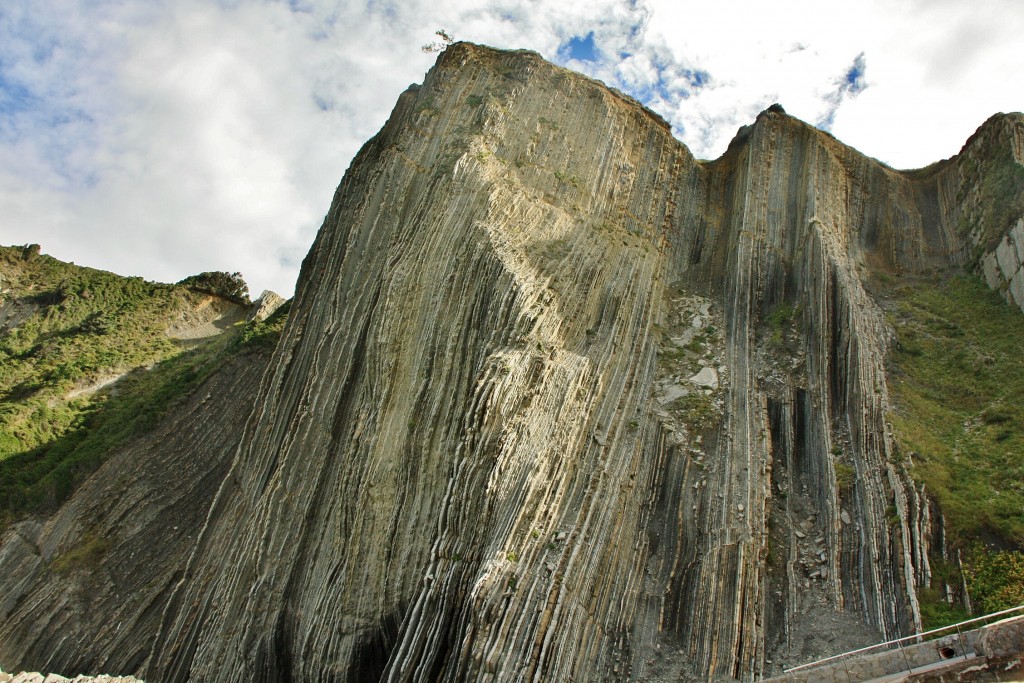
457 55
265 306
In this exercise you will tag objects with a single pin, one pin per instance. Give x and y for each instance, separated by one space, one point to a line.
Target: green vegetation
696 407
548 123
86 554
697 344
66 330
1000 198
443 42
230 286
262 335
564 177
936 612
781 316
778 321
995 579
426 104
72 327
958 385
845 476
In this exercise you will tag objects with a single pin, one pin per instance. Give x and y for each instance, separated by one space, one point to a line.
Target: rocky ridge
555 401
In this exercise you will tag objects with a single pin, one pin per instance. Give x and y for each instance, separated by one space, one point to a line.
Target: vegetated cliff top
87 358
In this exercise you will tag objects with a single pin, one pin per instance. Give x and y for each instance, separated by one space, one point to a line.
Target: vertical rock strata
466 464
557 401
449 474
465 467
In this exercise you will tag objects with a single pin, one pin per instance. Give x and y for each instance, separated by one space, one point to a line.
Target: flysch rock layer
459 470
527 420
84 591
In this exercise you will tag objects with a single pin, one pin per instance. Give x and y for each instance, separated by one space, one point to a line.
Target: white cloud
163 139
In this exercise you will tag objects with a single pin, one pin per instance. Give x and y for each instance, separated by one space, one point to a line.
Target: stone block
1017 288
1002 639
1006 254
990 267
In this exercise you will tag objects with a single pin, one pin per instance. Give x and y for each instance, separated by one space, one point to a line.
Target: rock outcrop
35 677
557 401
265 306
1004 266
84 591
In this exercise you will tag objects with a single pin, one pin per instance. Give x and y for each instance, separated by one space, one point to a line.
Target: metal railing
916 637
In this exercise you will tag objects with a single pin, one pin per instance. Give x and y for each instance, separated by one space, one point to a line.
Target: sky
163 138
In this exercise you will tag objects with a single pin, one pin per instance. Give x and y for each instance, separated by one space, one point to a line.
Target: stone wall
878 664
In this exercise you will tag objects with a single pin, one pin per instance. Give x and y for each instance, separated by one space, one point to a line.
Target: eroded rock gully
557 401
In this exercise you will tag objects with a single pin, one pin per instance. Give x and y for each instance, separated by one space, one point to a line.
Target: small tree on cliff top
444 40
228 285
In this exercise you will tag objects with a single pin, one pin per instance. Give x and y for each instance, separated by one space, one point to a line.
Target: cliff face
144 386
83 591
557 401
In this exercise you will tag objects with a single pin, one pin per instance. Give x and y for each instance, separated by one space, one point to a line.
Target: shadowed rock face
557 401
83 592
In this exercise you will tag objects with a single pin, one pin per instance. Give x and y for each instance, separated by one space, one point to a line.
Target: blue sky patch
300 6
57 130
581 49
851 84
14 97
854 78
322 103
698 77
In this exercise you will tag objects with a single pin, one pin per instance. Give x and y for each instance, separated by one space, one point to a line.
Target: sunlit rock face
557 401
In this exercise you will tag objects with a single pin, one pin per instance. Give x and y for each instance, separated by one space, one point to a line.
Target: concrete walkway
933 667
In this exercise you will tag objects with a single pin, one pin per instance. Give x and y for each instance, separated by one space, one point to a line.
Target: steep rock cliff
466 465
557 401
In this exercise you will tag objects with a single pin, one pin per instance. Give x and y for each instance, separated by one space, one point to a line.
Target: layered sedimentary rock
557 401
461 468
1004 266
83 592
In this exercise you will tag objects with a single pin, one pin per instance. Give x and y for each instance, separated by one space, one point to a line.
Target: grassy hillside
86 362
957 380
959 391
